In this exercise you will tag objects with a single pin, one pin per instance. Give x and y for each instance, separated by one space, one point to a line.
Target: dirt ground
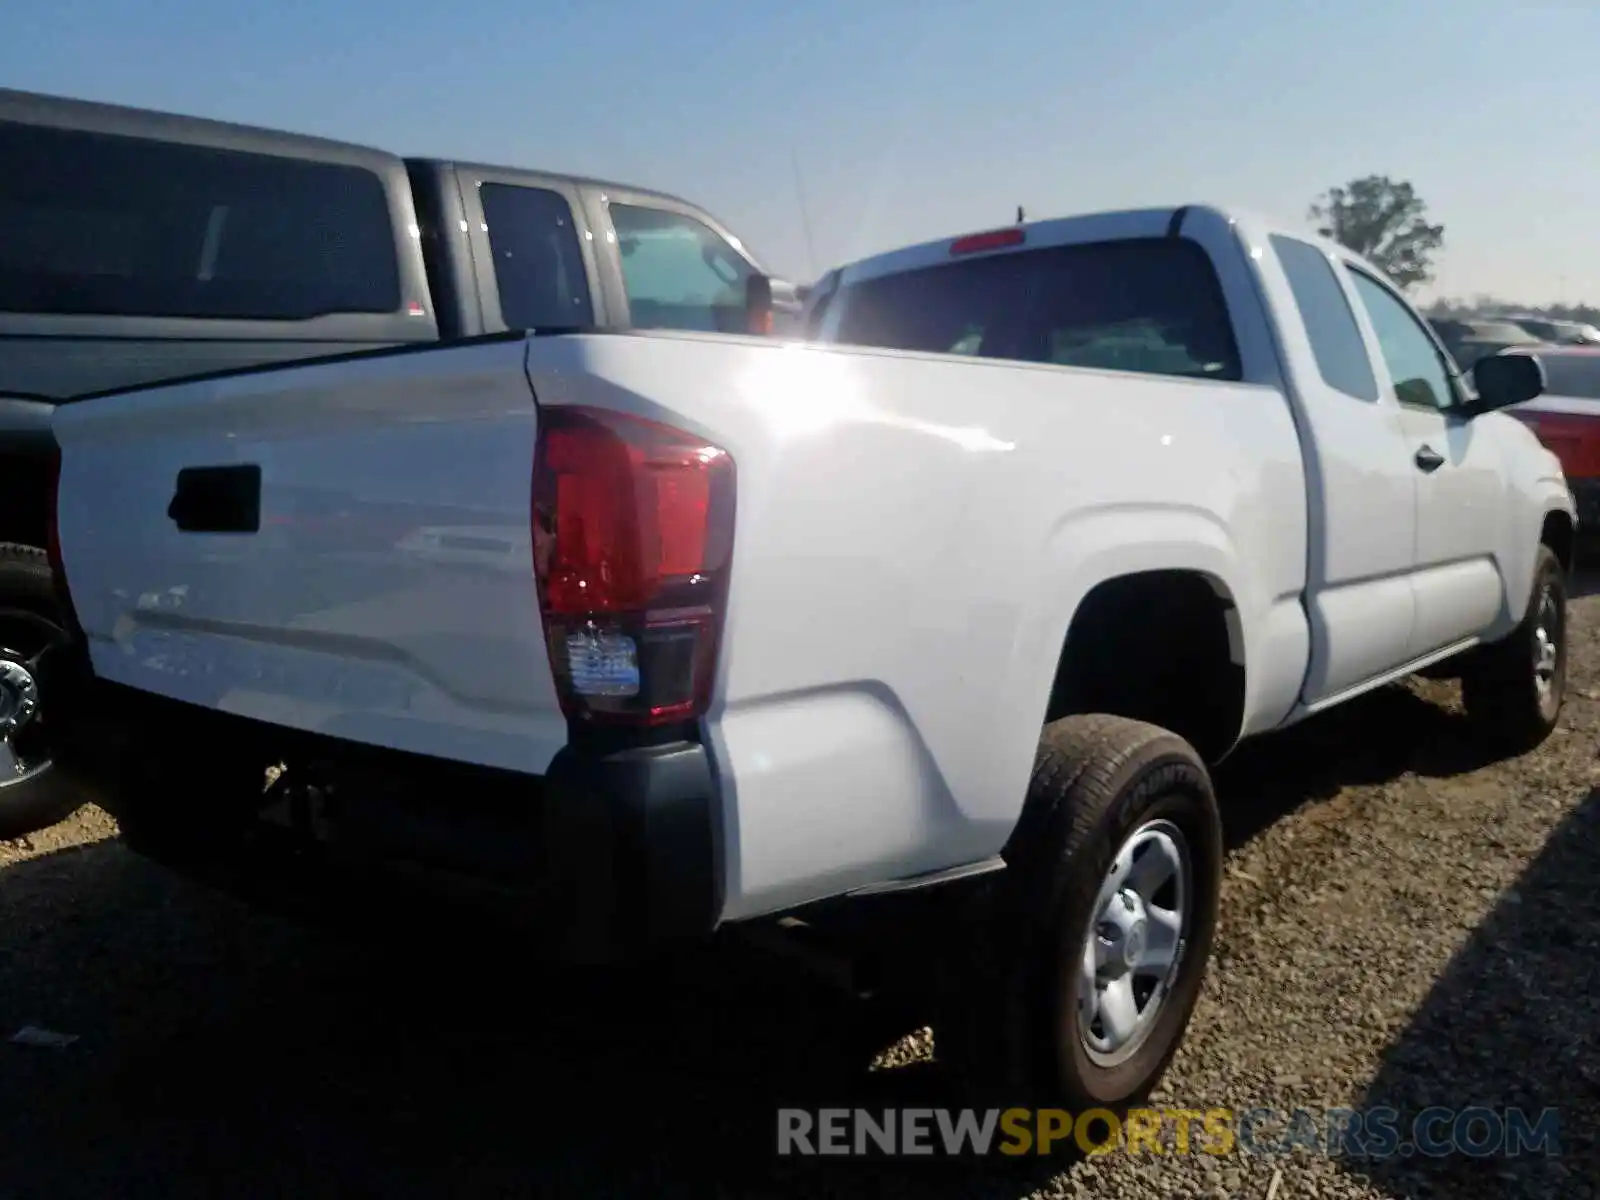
1404 923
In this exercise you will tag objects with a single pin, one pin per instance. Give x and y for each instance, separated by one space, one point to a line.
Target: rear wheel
1514 688
1082 962
32 795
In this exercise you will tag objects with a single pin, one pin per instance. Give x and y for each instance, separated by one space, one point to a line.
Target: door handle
217 500
1429 460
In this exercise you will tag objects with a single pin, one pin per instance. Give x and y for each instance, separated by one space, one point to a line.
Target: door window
678 272
1416 367
538 265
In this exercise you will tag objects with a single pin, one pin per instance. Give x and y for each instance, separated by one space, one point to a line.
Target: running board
1388 677
914 883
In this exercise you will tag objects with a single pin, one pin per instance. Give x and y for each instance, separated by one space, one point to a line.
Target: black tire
1009 1027
29 618
1513 701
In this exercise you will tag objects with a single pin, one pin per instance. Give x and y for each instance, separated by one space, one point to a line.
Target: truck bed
912 535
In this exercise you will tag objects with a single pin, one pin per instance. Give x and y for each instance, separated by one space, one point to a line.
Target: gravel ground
1404 924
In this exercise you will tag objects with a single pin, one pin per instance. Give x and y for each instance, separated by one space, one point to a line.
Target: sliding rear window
1149 305
106 225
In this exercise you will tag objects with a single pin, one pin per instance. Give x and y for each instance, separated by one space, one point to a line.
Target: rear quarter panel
913 535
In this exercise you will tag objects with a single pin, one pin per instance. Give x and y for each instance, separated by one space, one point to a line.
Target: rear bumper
610 854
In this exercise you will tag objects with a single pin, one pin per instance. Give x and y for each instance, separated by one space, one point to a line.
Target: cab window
1152 306
1416 367
678 272
538 265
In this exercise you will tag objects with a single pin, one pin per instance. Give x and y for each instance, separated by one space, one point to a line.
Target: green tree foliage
1384 221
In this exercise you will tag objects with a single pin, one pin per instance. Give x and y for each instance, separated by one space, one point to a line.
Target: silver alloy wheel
1136 942
1547 636
19 707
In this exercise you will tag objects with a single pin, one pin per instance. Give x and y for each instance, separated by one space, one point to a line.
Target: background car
1566 419
1559 333
1468 341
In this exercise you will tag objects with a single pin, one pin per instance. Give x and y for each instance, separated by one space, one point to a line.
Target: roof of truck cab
630 190
1109 226
65 112
1139 222
582 181
633 190
93 116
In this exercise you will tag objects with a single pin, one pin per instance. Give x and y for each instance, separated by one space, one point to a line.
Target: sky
901 120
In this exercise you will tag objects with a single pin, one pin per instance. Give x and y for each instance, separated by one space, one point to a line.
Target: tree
1384 221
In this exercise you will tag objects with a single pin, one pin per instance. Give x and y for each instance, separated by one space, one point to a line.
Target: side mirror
1502 380
758 305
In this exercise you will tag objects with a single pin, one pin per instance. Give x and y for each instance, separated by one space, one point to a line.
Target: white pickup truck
658 632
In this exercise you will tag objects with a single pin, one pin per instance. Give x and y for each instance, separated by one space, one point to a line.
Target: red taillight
993 240
633 534
58 570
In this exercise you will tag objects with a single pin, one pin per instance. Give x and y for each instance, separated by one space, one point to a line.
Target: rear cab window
678 272
1147 305
98 224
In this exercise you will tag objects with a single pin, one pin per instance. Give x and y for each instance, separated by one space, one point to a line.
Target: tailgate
342 547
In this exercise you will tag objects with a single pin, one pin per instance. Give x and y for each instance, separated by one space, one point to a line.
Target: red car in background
1567 419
